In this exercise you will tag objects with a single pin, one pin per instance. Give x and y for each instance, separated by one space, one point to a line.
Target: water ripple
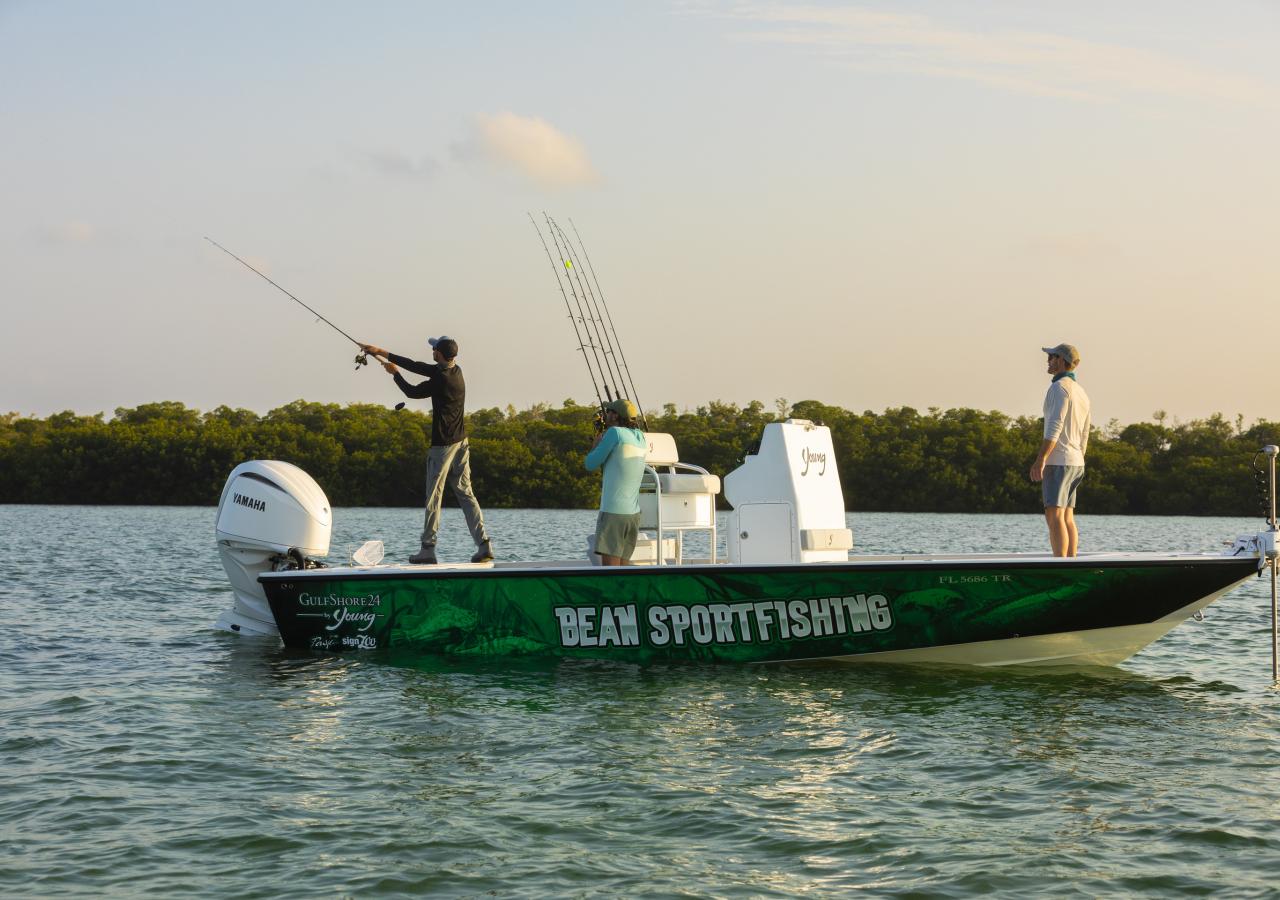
147 754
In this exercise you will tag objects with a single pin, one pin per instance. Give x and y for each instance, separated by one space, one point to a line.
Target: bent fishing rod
362 358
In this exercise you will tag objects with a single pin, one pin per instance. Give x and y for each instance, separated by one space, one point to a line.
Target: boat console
788 505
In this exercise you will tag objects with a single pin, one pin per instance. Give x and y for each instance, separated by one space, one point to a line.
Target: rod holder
1271 451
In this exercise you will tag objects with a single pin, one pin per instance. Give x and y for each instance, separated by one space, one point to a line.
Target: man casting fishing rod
449 459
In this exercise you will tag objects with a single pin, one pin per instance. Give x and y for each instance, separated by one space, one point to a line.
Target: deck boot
483 553
424 557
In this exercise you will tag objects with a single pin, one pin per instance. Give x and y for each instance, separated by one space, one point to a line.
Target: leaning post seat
675 497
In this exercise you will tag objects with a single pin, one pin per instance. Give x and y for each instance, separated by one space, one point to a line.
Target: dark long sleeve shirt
448 392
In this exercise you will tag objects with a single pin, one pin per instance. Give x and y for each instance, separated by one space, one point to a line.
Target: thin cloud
1017 61
70 232
399 165
533 147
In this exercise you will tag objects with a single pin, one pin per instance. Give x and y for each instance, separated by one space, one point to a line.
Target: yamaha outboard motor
272 516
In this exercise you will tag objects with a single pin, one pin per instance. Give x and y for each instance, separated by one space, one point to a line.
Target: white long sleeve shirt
1066 421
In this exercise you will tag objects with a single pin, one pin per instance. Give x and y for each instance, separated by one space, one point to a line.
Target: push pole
1271 450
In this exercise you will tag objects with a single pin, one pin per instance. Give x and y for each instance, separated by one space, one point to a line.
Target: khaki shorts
616 534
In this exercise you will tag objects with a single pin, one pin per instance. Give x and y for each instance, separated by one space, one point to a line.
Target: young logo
812 458
360 613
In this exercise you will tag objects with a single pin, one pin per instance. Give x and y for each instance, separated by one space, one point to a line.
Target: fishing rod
558 237
578 334
592 314
362 358
574 266
587 320
616 339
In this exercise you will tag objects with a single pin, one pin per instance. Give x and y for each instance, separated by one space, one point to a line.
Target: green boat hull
989 612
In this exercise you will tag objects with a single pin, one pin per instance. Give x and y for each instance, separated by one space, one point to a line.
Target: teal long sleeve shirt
621 452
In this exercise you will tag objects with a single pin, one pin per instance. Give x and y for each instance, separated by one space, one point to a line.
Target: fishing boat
789 588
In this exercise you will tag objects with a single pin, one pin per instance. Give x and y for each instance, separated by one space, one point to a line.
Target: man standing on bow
1060 464
449 459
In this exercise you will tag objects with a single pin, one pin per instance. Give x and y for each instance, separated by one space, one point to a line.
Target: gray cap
447 346
1066 351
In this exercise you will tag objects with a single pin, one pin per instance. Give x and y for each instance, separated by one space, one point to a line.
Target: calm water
145 754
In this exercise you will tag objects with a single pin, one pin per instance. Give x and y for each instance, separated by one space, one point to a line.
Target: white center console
788 505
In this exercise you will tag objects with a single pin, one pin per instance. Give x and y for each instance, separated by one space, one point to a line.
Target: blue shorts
1060 483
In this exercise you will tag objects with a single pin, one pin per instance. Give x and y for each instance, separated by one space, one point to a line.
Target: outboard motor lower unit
272 516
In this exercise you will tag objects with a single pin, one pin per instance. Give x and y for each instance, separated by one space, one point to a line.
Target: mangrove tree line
956 460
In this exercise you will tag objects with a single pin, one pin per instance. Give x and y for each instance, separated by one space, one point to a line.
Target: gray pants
451 464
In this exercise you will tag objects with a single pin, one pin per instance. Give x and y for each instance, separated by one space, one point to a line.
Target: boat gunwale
863 564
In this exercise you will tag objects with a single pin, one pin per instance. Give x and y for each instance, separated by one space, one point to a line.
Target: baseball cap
1066 351
624 408
447 346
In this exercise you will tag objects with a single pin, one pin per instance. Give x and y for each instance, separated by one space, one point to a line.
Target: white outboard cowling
271 515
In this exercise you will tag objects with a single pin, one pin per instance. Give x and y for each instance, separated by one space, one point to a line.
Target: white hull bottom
237 622
1093 647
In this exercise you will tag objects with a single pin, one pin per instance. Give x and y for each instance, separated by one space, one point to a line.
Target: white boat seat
662 449
675 501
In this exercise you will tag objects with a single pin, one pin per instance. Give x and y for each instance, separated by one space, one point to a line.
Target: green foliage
957 460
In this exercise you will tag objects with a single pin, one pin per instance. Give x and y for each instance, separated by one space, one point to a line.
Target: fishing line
362 359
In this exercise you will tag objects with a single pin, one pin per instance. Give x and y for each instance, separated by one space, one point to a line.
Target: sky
871 204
